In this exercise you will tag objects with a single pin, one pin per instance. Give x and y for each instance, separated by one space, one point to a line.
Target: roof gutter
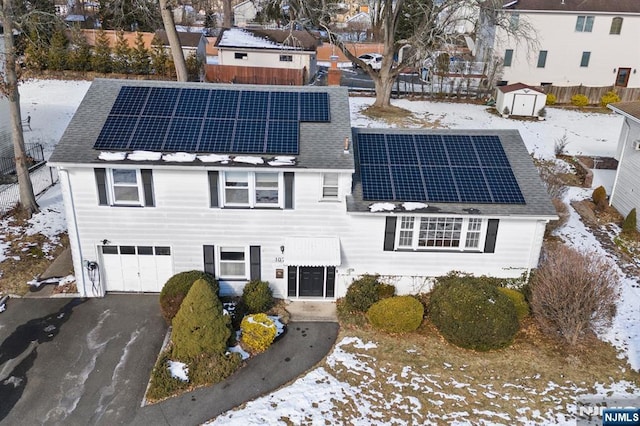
623 113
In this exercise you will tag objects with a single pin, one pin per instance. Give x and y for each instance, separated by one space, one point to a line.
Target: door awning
312 251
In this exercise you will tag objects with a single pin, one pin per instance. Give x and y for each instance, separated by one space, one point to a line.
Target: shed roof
186 39
267 39
518 86
321 143
630 109
536 200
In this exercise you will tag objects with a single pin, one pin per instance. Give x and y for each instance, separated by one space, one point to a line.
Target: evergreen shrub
599 197
609 98
398 314
579 100
362 293
258 332
257 296
630 224
473 314
518 299
551 99
177 287
200 327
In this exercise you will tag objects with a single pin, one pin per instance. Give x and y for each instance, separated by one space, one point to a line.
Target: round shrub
579 100
521 305
258 332
398 314
609 98
473 315
257 296
551 99
630 223
362 293
177 287
599 197
386 290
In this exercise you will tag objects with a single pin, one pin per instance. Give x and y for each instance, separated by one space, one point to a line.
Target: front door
311 281
623 77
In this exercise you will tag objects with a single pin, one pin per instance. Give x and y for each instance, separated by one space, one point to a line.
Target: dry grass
535 373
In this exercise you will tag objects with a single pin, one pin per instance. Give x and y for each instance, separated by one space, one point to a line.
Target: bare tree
426 26
573 293
10 90
174 42
227 12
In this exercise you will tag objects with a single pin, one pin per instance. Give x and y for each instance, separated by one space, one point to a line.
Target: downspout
75 226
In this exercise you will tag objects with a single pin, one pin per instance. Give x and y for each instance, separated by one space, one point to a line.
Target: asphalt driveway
72 361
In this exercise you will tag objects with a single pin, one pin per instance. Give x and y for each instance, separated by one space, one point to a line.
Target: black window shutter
492 233
254 263
101 181
213 189
331 281
389 233
288 190
147 186
291 281
209 260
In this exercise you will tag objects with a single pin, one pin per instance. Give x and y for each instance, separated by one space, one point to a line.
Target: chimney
333 79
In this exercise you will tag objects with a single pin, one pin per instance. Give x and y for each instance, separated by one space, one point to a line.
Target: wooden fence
253 75
564 94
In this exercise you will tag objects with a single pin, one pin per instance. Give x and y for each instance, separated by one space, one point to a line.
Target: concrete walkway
312 311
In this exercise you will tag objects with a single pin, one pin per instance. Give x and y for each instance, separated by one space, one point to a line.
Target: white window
252 189
439 233
126 187
233 263
330 186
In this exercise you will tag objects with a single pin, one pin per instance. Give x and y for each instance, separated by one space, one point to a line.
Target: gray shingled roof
630 109
537 201
321 144
606 6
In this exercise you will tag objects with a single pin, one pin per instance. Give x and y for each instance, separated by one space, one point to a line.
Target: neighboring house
271 183
244 13
268 48
626 187
579 42
192 43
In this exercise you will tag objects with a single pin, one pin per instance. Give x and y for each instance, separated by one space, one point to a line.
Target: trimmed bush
517 297
630 224
551 99
257 297
579 100
177 287
200 327
472 314
362 293
398 314
258 332
386 290
609 98
599 197
506 111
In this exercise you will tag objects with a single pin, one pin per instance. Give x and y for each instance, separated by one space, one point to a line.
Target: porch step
312 311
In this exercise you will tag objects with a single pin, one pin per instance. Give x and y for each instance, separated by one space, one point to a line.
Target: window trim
219 262
251 189
616 25
112 186
464 233
335 186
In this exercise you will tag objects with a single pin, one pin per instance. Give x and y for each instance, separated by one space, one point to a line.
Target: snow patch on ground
178 370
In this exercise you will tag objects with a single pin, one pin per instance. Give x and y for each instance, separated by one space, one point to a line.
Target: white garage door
523 104
136 268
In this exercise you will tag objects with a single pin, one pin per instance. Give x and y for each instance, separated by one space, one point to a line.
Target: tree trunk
174 41
227 11
27 197
383 87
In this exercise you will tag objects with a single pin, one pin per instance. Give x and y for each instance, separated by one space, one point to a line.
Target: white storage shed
520 99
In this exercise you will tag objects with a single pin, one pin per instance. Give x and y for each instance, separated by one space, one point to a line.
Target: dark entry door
623 77
311 282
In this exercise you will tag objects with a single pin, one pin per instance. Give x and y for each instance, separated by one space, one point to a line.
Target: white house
268 48
520 99
579 42
244 13
272 183
626 189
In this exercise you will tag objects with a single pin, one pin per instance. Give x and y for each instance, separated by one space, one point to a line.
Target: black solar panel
210 120
435 168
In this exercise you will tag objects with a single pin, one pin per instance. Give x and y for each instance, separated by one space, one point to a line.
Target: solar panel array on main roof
210 120
435 168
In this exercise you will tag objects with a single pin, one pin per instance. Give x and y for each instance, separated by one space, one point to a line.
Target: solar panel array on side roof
435 168
210 120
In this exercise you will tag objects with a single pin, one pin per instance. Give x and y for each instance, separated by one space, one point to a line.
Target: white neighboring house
272 183
580 42
625 194
268 48
244 13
